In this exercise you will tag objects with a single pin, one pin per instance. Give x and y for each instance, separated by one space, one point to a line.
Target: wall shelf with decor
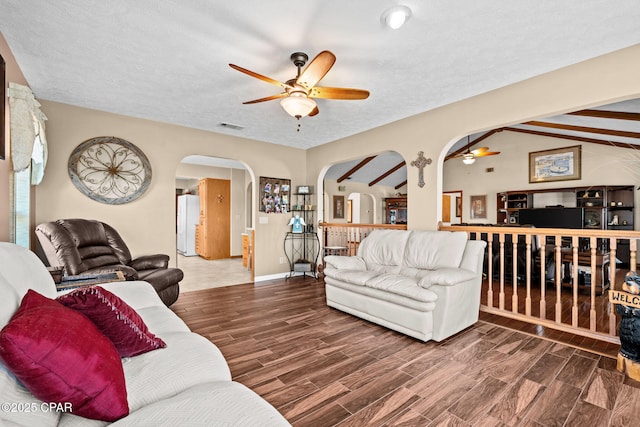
396 210
605 206
301 244
510 203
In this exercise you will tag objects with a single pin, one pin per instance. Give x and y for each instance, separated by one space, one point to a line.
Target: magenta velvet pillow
60 356
114 318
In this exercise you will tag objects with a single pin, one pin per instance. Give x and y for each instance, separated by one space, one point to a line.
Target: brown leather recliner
85 246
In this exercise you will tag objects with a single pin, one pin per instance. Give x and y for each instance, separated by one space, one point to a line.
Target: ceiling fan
469 156
298 94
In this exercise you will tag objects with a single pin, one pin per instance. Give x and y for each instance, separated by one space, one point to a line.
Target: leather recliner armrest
148 262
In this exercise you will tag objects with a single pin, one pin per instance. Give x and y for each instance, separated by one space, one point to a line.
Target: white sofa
425 284
188 383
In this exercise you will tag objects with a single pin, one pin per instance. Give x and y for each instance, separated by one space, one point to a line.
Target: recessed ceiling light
396 16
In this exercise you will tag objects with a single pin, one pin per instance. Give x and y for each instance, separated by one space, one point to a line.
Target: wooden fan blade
479 150
314 111
316 69
487 153
268 98
260 76
338 93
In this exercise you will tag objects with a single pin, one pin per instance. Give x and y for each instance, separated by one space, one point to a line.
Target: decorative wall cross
420 163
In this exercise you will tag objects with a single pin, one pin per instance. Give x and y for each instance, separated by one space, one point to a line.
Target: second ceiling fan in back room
298 93
469 156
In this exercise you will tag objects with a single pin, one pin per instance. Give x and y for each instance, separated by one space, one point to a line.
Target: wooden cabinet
245 250
396 210
510 203
605 206
213 236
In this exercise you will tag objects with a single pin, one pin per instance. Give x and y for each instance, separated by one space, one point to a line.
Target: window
28 158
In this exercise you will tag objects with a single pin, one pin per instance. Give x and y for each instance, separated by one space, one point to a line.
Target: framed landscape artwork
560 164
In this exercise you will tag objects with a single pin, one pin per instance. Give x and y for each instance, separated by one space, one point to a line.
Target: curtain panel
28 140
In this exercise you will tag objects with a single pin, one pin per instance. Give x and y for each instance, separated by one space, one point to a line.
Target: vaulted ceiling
615 125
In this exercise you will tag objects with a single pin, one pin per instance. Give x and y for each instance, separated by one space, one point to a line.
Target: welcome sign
624 298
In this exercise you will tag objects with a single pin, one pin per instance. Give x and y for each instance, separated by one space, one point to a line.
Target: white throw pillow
432 250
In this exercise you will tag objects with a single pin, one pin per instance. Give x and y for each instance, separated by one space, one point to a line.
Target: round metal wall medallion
110 170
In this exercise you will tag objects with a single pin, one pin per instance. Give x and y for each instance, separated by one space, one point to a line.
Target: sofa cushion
431 250
189 359
13 392
15 283
60 356
445 277
355 277
221 403
137 294
401 285
345 262
384 247
114 318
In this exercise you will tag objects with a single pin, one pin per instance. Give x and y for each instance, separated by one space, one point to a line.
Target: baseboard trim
270 277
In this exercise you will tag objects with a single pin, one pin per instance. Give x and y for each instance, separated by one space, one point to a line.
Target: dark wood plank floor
321 367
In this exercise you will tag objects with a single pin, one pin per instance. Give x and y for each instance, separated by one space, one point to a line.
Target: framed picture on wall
479 207
274 195
338 207
560 164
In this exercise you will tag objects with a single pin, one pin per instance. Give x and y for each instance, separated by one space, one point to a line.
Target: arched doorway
199 272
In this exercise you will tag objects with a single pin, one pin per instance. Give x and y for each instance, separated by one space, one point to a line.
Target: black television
552 217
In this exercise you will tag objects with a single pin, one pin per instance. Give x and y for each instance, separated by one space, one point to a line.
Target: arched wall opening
240 214
359 187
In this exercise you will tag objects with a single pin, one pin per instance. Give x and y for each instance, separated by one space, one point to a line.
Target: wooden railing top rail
352 225
567 232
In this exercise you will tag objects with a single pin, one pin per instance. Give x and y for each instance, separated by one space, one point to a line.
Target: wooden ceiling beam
355 168
471 144
402 184
387 173
585 129
617 115
573 138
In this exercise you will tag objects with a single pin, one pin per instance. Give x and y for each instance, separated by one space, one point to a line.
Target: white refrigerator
188 217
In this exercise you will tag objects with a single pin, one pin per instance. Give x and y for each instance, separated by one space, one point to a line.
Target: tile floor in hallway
200 273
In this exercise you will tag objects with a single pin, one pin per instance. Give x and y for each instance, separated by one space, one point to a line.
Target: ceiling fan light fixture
468 159
396 16
298 105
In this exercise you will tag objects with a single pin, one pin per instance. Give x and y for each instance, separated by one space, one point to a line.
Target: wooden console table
599 278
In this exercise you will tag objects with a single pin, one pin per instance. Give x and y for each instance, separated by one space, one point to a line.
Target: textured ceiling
168 60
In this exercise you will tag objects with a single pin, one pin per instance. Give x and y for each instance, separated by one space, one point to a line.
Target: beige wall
603 80
379 193
601 165
13 74
148 223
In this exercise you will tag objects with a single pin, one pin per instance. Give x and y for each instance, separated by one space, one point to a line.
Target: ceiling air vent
231 126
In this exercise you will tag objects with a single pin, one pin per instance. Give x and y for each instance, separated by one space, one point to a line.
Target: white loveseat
425 284
188 383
